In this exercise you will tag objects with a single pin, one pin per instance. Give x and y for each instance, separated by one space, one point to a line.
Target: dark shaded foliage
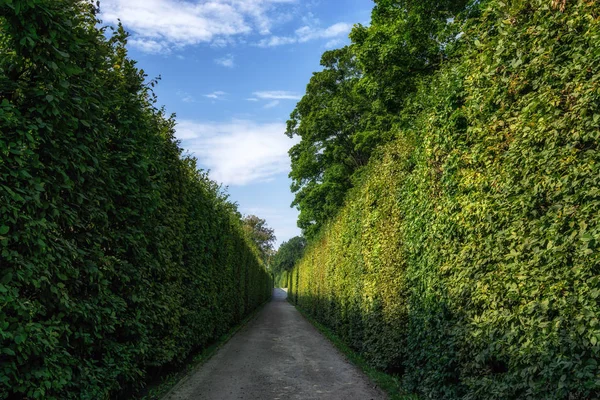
117 256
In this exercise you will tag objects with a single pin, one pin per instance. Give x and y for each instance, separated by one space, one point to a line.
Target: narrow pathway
278 355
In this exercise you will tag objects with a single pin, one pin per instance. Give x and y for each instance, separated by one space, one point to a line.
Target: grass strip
386 382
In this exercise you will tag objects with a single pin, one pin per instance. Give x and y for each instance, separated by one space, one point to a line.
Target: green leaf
6 278
8 351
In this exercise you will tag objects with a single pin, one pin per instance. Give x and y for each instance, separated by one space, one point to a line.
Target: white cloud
275 41
226 61
334 43
221 42
310 19
307 33
272 104
277 95
239 152
218 95
186 97
149 46
252 99
159 25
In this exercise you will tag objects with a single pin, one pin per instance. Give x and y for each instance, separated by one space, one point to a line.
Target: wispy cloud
239 152
307 33
218 95
333 43
150 46
185 97
226 61
277 95
275 41
272 104
160 25
252 99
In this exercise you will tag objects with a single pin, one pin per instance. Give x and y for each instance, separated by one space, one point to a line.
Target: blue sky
232 71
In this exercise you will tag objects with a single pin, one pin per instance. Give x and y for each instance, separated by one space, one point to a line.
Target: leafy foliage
260 234
467 260
351 107
406 41
328 120
118 257
288 254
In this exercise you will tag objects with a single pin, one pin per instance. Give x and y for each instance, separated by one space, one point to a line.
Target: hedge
467 260
117 256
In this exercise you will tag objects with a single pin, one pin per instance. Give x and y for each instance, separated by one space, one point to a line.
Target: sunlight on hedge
467 259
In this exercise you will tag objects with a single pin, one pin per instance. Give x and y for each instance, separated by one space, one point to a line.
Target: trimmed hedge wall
117 256
468 259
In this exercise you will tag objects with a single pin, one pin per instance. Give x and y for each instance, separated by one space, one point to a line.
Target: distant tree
288 254
260 233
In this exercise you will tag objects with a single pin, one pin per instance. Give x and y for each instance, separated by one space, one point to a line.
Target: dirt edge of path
382 381
194 366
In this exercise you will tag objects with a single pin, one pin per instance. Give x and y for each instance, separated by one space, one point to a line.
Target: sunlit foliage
467 260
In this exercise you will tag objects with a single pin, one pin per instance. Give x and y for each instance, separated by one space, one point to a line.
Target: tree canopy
329 120
261 235
354 105
288 254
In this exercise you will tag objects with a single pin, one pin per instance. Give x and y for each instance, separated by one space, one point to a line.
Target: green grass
386 382
160 388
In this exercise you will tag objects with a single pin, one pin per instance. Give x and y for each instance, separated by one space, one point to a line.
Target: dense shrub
467 261
117 256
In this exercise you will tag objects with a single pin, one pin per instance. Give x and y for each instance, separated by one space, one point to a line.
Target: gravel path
277 355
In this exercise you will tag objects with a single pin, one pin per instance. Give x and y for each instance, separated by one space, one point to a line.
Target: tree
288 254
263 237
333 122
356 103
406 40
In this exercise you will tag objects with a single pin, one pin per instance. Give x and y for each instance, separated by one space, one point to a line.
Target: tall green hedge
117 256
468 259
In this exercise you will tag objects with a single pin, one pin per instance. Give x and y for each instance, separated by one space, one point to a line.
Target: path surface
277 355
